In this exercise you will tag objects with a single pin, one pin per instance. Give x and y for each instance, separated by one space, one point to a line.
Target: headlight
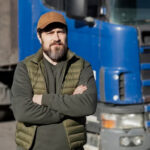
125 141
131 141
122 121
137 140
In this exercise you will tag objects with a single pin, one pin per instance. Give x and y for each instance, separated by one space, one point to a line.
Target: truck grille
145 72
121 87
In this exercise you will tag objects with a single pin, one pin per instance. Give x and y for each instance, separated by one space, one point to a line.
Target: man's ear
39 37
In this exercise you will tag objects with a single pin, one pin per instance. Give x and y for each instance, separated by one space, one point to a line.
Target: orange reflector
108 123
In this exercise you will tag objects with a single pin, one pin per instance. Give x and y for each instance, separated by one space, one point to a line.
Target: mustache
58 43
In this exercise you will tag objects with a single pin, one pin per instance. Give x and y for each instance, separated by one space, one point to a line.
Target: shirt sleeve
75 105
21 99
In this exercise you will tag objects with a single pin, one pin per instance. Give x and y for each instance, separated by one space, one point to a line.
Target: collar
48 59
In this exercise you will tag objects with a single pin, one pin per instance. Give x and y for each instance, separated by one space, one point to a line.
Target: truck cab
114 36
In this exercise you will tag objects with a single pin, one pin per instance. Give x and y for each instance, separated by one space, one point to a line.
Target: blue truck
114 36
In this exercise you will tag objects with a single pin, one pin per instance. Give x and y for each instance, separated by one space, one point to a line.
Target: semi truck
8 53
114 36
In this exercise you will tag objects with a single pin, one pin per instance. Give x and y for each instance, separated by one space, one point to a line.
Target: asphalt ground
7 135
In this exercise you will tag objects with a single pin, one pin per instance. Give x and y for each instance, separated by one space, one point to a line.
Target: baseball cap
49 18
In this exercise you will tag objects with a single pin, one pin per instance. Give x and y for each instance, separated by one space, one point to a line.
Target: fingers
80 89
37 99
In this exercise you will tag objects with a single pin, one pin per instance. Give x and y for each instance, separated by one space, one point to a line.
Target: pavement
7 135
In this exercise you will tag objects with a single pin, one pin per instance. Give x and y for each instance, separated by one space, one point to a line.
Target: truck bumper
110 139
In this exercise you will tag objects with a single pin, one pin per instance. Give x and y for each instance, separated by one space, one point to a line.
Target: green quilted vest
75 128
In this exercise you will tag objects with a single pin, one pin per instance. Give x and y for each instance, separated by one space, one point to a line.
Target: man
52 92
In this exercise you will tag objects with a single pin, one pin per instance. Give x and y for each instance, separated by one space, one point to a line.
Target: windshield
129 11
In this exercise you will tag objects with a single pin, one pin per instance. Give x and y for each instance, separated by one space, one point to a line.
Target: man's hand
37 99
80 89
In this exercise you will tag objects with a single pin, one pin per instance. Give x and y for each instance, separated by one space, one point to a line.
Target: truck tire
6 113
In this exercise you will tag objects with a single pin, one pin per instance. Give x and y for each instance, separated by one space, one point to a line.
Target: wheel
6 113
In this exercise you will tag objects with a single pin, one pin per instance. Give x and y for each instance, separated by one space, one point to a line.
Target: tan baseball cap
50 17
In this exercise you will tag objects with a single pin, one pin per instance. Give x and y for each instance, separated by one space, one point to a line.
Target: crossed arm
49 108
79 90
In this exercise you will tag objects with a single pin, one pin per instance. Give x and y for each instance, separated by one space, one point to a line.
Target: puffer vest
74 128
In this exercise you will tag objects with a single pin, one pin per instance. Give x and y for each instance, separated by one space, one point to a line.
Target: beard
56 52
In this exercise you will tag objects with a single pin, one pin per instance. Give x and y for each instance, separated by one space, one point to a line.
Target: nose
56 37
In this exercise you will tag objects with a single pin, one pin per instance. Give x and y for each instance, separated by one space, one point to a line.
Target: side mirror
80 9
76 8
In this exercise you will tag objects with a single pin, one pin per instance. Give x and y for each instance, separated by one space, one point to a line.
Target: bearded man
52 92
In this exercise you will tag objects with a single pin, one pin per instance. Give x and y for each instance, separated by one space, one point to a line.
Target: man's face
54 43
